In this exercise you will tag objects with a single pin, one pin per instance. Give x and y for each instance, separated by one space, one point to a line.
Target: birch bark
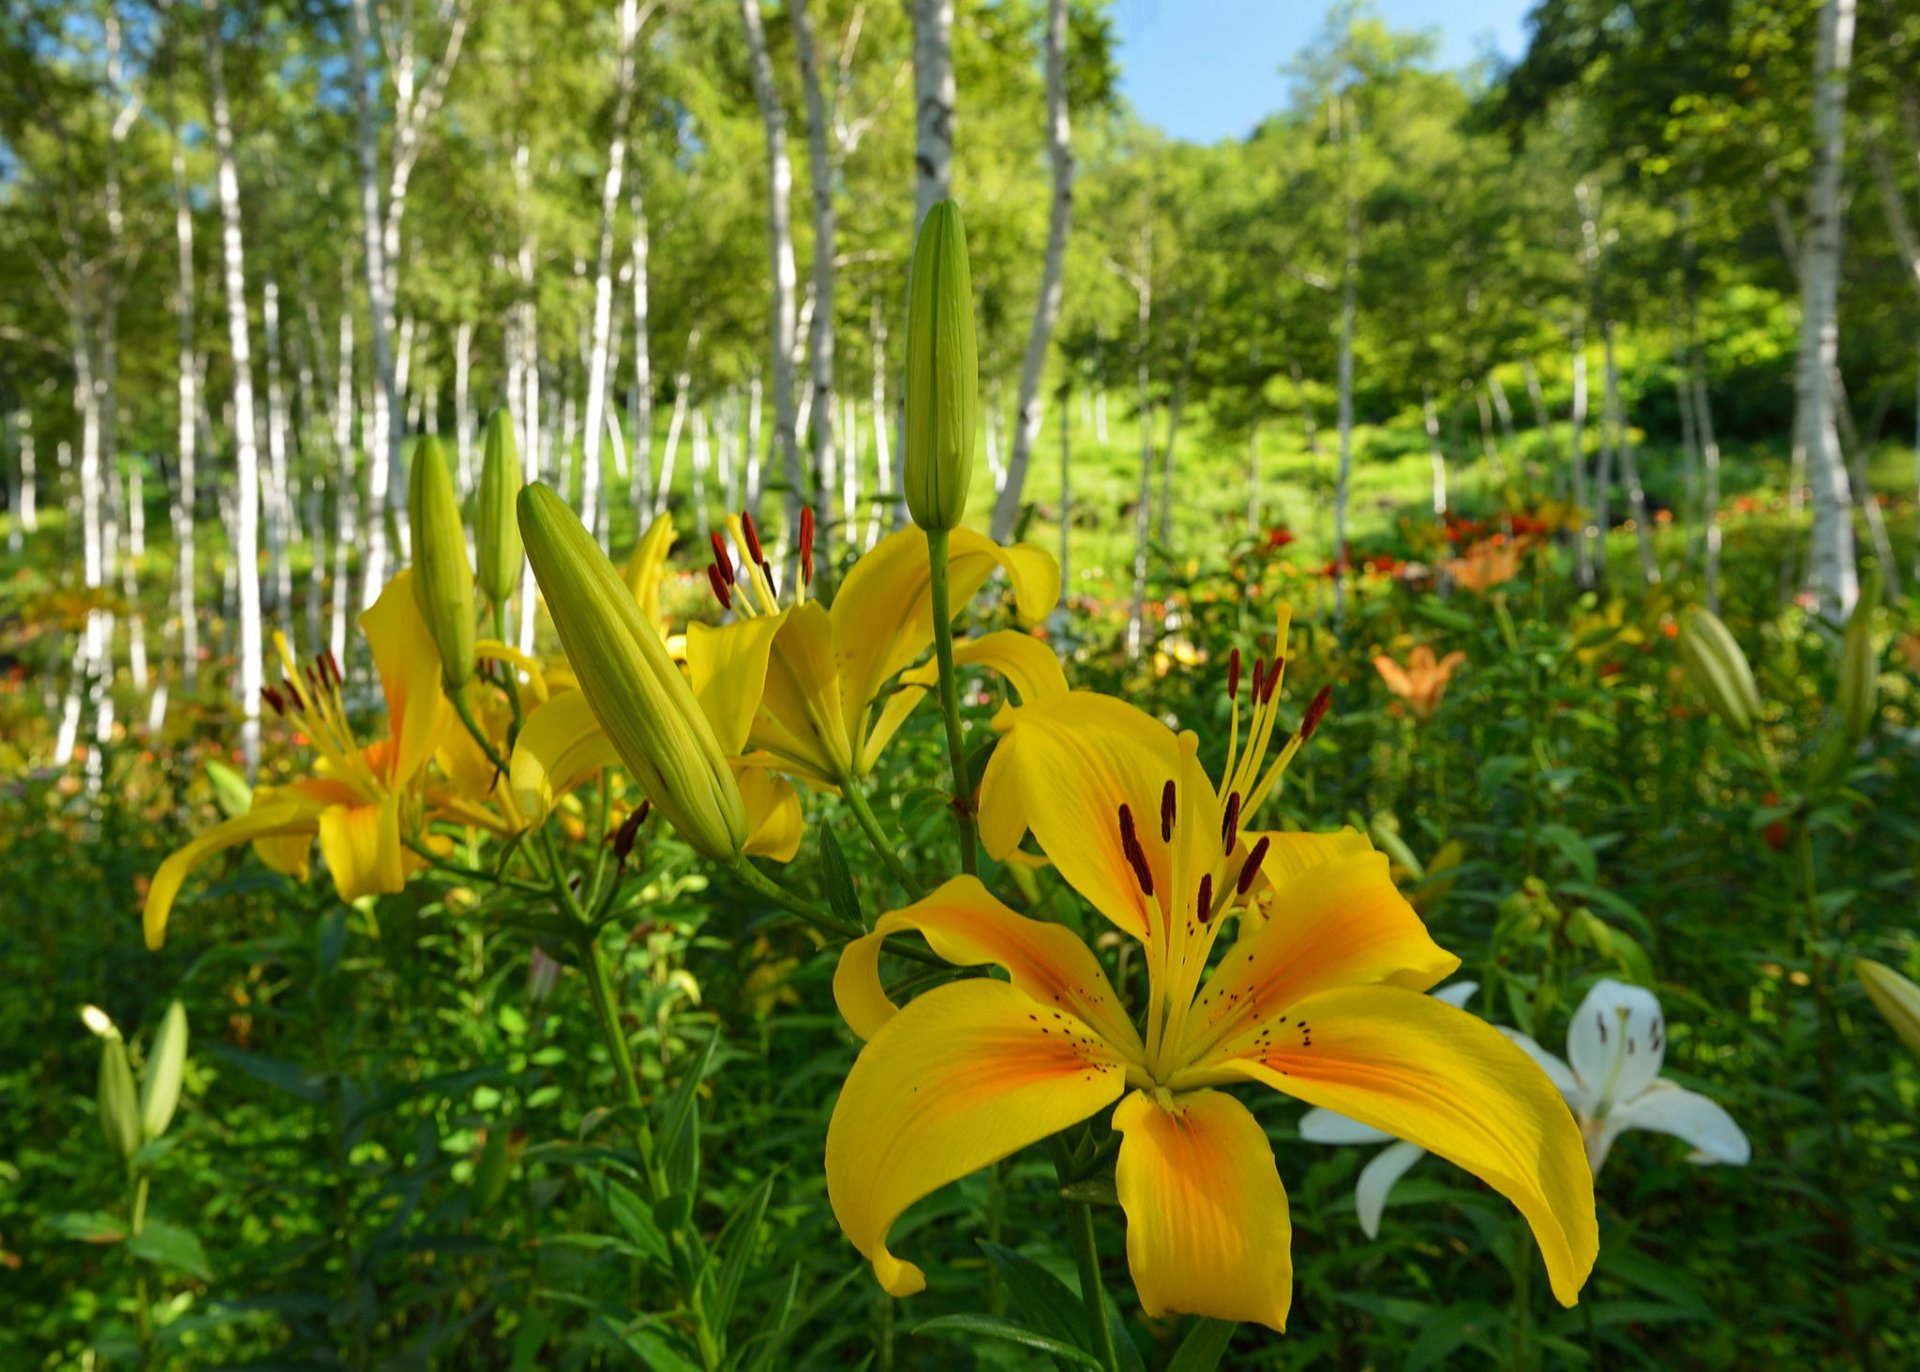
934 97
821 167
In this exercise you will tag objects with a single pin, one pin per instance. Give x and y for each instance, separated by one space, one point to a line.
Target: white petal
1377 1179
1557 1071
1458 994
1669 1109
1325 1126
1616 1042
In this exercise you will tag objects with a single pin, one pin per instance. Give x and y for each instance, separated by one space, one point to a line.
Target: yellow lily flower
361 802
561 744
1322 1001
798 684
1422 681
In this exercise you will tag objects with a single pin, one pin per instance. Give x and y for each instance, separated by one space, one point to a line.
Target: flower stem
950 697
870 826
1086 1257
143 1304
459 699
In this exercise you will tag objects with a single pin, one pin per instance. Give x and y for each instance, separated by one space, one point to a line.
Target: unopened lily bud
496 534
1860 668
1719 669
442 579
943 372
160 1083
1896 998
635 691
119 1106
99 1022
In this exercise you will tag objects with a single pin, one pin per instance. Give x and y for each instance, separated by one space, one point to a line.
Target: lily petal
1377 1180
361 844
1335 919
1669 1109
1207 1226
1616 1042
409 667
1328 1126
1439 1077
281 816
646 568
728 667
966 925
1557 1070
967 1074
560 745
774 821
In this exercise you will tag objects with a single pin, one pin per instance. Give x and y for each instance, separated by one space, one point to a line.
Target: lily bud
635 691
442 580
1719 669
1896 998
943 372
1860 668
119 1107
160 1083
496 535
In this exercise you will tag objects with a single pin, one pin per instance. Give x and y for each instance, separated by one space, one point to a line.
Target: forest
759 684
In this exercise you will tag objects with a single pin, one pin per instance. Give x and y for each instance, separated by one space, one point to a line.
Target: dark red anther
1252 869
1259 679
1230 822
1233 675
629 830
272 697
333 666
1273 679
293 693
1206 897
1135 854
719 584
753 540
1321 699
720 557
766 570
806 545
1166 812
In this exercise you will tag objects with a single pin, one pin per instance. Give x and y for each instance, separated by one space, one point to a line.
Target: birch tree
934 97
821 167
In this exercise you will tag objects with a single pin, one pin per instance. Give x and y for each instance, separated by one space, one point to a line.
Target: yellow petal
493 650
280 816
560 746
1334 919
774 821
647 568
460 756
964 924
964 1076
1027 663
409 667
883 614
1207 1226
1394 675
361 844
801 717
1436 1076
1063 771
728 667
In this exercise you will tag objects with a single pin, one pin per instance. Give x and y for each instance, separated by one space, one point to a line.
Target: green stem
950 697
764 885
454 869
506 682
607 1009
1086 1257
460 708
143 1303
870 826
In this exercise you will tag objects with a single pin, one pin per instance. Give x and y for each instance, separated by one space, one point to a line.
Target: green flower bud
119 1106
160 1083
1860 668
442 580
496 536
943 372
1896 998
634 689
1719 669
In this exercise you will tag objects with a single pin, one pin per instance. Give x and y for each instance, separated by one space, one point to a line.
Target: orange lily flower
1323 1001
1488 563
1422 681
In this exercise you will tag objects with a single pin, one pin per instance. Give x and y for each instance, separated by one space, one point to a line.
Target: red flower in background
1279 536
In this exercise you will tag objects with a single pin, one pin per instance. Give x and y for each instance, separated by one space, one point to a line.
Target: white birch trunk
820 174
383 443
888 493
780 243
246 527
1435 452
934 96
597 367
1832 574
642 458
279 501
1342 479
682 387
463 403
1046 311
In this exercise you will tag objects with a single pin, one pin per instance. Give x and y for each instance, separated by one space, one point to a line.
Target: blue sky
1204 70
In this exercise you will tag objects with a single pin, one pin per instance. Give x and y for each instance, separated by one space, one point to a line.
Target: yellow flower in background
361 802
1322 1001
562 744
794 688
1422 681
1489 563
1598 635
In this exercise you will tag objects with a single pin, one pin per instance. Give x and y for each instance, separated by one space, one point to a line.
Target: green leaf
1205 1344
170 1246
1042 1297
837 878
1497 771
285 1076
1576 850
734 1248
680 1124
1449 1329
88 1226
1009 1331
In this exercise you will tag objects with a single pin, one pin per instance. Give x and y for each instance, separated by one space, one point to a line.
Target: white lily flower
1611 1080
